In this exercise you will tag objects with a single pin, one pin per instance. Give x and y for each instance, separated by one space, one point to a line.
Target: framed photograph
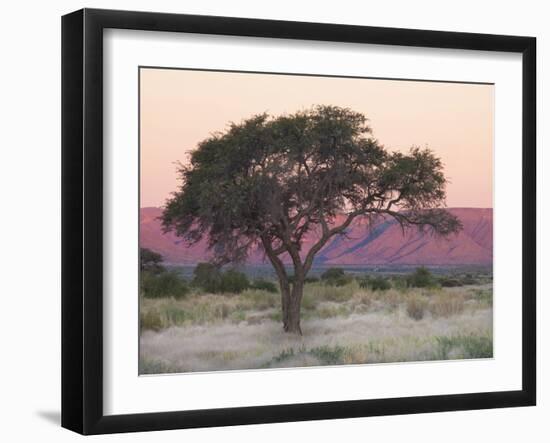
268 221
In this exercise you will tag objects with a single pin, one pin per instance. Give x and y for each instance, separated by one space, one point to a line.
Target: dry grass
416 306
356 339
341 325
445 306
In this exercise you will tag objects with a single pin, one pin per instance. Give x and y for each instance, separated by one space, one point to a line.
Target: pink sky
180 108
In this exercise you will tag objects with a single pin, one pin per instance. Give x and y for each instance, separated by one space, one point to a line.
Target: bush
400 283
421 278
449 282
333 274
335 277
311 280
234 281
468 279
150 261
364 282
264 285
416 307
207 277
380 284
165 284
377 283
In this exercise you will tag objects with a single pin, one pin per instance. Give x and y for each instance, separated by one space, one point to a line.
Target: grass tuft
416 307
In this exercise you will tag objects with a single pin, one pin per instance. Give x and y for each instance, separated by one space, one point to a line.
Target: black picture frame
82 218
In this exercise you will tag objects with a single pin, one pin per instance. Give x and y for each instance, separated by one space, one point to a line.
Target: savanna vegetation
220 319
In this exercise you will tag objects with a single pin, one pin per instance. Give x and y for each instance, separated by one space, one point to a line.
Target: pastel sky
179 108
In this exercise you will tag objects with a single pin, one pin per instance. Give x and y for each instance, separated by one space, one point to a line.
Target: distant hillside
381 244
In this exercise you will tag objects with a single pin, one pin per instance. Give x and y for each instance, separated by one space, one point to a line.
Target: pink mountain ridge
383 243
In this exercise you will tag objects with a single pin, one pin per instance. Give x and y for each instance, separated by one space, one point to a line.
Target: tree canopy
268 181
150 261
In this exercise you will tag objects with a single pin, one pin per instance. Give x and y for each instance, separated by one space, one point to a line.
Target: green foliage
163 284
333 274
460 280
421 278
377 283
233 281
207 277
311 279
335 277
449 282
150 261
243 185
264 285
469 279
210 279
400 283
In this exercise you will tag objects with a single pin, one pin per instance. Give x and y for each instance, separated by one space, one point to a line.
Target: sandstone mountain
383 243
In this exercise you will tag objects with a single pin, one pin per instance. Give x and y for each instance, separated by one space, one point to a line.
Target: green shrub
449 282
335 277
421 278
207 277
264 285
468 279
364 282
234 282
311 279
164 284
400 283
380 284
377 283
150 261
333 274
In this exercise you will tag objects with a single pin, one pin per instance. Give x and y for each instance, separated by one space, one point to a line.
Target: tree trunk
291 308
285 301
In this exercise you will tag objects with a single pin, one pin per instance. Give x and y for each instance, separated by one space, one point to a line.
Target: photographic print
303 220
